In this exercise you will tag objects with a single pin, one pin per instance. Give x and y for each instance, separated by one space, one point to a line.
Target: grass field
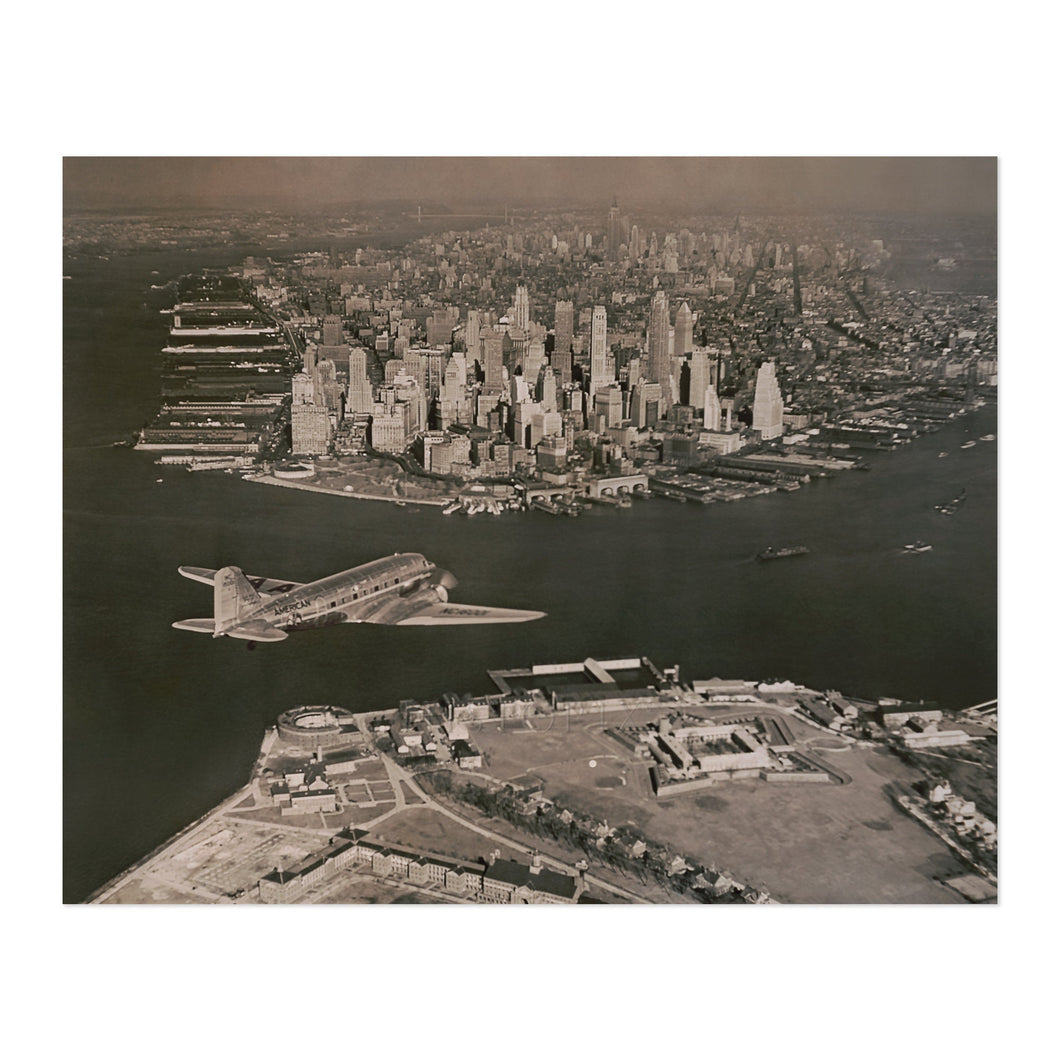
365 889
803 843
429 830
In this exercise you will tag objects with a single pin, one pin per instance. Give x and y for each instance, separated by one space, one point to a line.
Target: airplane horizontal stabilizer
256 631
196 625
443 614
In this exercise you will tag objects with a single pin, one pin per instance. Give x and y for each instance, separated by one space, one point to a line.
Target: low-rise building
512 882
894 713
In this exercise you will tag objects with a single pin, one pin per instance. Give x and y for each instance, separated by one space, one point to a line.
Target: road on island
397 774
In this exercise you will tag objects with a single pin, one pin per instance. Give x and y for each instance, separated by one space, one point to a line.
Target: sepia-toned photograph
660 497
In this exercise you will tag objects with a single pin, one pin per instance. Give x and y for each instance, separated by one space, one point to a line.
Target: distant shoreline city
698 366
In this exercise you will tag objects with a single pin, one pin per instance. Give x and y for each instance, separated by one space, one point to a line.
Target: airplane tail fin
233 599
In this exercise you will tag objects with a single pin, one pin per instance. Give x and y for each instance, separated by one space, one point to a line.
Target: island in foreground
601 781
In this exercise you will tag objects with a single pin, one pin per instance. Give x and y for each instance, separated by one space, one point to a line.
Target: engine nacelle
443 582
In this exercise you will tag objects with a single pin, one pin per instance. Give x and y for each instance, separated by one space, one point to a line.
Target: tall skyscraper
712 410
683 331
533 361
492 357
561 354
453 403
471 333
360 395
647 404
699 377
769 404
522 308
547 390
659 341
634 243
310 421
598 350
332 330
614 231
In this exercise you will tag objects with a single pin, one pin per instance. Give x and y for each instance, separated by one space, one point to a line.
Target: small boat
941 455
782 553
918 546
159 480
968 445
451 507
987 438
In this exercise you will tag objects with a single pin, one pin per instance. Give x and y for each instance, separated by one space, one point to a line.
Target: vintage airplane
401 590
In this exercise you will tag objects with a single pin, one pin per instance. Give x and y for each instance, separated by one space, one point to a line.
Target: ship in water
782 553
918 546
951 506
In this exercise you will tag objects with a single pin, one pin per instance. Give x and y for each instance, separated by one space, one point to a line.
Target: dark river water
159 725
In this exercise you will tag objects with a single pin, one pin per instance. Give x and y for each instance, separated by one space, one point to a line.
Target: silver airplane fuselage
352 595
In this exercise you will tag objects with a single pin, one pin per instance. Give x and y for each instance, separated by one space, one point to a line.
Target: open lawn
365 889
371 769
512 753
357 816
803 843
429 830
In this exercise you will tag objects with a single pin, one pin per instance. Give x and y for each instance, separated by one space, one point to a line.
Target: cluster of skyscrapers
488 353
505 391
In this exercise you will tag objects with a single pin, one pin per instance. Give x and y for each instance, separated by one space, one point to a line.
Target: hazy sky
935 185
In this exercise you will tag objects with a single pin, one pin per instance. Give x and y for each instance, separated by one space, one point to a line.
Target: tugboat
950 507
782 553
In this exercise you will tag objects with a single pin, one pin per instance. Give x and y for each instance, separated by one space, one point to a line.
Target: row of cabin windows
371 589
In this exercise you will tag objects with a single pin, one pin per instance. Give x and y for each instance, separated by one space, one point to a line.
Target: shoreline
771 701
270 480
100 893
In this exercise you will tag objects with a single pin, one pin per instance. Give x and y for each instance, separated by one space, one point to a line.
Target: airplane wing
444 614
265 586
424 608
